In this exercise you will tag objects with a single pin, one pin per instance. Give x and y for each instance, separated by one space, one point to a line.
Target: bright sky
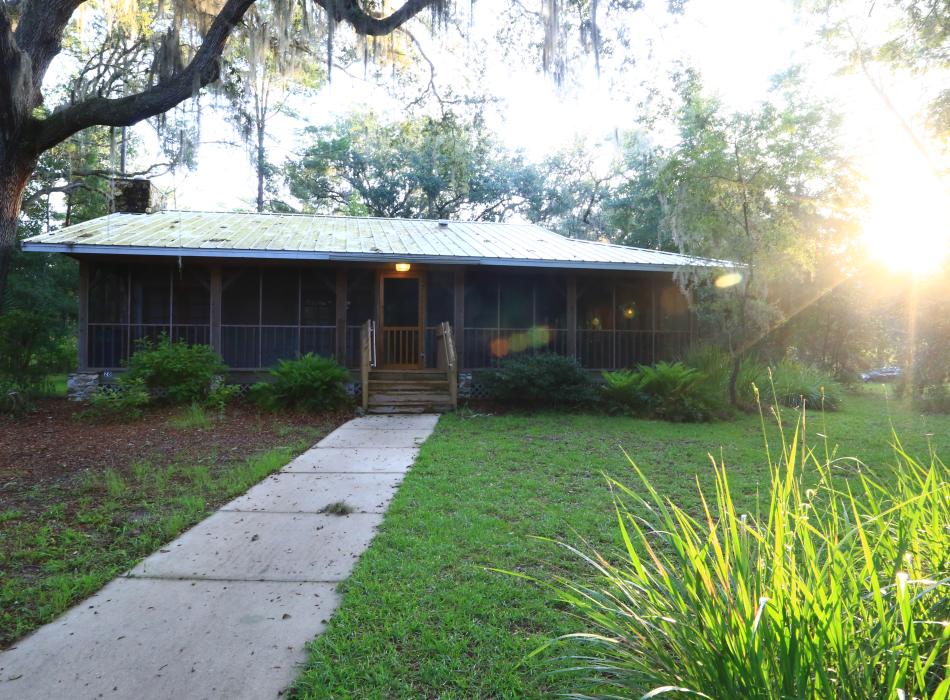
736 44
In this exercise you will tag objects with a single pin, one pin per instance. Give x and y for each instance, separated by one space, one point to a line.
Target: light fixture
629 311
403 267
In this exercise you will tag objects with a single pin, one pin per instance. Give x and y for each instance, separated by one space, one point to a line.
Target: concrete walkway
225 610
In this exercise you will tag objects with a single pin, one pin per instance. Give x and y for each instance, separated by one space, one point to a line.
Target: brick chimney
137 196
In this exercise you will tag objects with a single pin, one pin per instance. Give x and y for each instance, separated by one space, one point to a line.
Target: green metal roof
304 237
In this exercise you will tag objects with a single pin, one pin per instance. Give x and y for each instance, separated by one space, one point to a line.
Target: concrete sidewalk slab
259 546
424 421
307 492
356 437
350 460
224 611
154 640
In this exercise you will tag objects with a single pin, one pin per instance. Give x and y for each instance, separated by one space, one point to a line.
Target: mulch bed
54 447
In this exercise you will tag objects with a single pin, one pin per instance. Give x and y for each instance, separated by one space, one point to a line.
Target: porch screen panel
241 318
108 341
191 305
440 306
280 315
515 316
481 319
318 312
633 342
151 302
672 338
595 323
550 314
360 308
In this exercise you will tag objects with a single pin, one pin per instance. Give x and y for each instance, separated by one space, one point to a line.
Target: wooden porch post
572 315
459 301
215 317
82 360
341 316
653 303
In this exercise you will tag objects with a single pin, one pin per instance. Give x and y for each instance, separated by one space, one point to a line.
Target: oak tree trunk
13 178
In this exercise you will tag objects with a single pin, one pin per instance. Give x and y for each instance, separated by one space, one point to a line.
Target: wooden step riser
378 399
409 376
398 388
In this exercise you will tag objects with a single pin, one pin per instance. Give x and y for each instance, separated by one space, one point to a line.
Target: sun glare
908 223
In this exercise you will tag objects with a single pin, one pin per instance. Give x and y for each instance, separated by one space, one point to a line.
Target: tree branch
203 69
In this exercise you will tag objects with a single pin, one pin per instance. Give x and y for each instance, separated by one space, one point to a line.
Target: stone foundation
81 385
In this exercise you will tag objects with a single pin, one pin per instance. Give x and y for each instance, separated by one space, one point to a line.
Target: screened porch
255 315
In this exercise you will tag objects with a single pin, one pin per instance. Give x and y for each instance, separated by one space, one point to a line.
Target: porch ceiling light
403 267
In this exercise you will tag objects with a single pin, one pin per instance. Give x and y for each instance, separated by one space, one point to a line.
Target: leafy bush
791 380
221 395
175 373
32 346
934 398
544 379
668 391
123 401
312 383
834 592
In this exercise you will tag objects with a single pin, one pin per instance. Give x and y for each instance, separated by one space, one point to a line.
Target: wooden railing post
448 360
214 315
365 362
83 317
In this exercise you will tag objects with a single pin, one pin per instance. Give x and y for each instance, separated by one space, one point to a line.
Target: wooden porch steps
409 391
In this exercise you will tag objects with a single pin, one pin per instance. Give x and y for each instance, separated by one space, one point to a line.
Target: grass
190 418
52 559
423 617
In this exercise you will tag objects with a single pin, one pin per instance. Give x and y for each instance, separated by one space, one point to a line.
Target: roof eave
80 249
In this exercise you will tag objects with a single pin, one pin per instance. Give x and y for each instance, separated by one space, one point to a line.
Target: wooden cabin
368 291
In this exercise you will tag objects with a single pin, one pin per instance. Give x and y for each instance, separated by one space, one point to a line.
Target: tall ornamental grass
839 589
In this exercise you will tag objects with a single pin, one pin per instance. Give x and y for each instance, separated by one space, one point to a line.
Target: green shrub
221 395
32 346
544 379
175 373
123 401
668 391
621 393
835 591
312 383
791 380
788 383
934 398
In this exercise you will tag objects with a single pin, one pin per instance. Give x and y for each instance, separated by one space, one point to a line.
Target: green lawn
423 617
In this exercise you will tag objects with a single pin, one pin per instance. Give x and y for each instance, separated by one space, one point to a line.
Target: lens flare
728 279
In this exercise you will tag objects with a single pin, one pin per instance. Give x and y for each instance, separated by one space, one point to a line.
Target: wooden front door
401 313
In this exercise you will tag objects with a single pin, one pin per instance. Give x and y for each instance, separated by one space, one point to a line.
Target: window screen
516 301
240 297
440 298
192 295
280 297
318 298
481 300
359 297
550 302
594 305
151 295
108 294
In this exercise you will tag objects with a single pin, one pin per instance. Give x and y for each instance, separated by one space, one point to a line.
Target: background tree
417 168
260 76
186 42
763 189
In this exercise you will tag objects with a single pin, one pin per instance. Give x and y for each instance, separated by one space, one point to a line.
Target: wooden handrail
367 357
448 360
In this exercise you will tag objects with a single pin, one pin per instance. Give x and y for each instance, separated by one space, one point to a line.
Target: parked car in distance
882 374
